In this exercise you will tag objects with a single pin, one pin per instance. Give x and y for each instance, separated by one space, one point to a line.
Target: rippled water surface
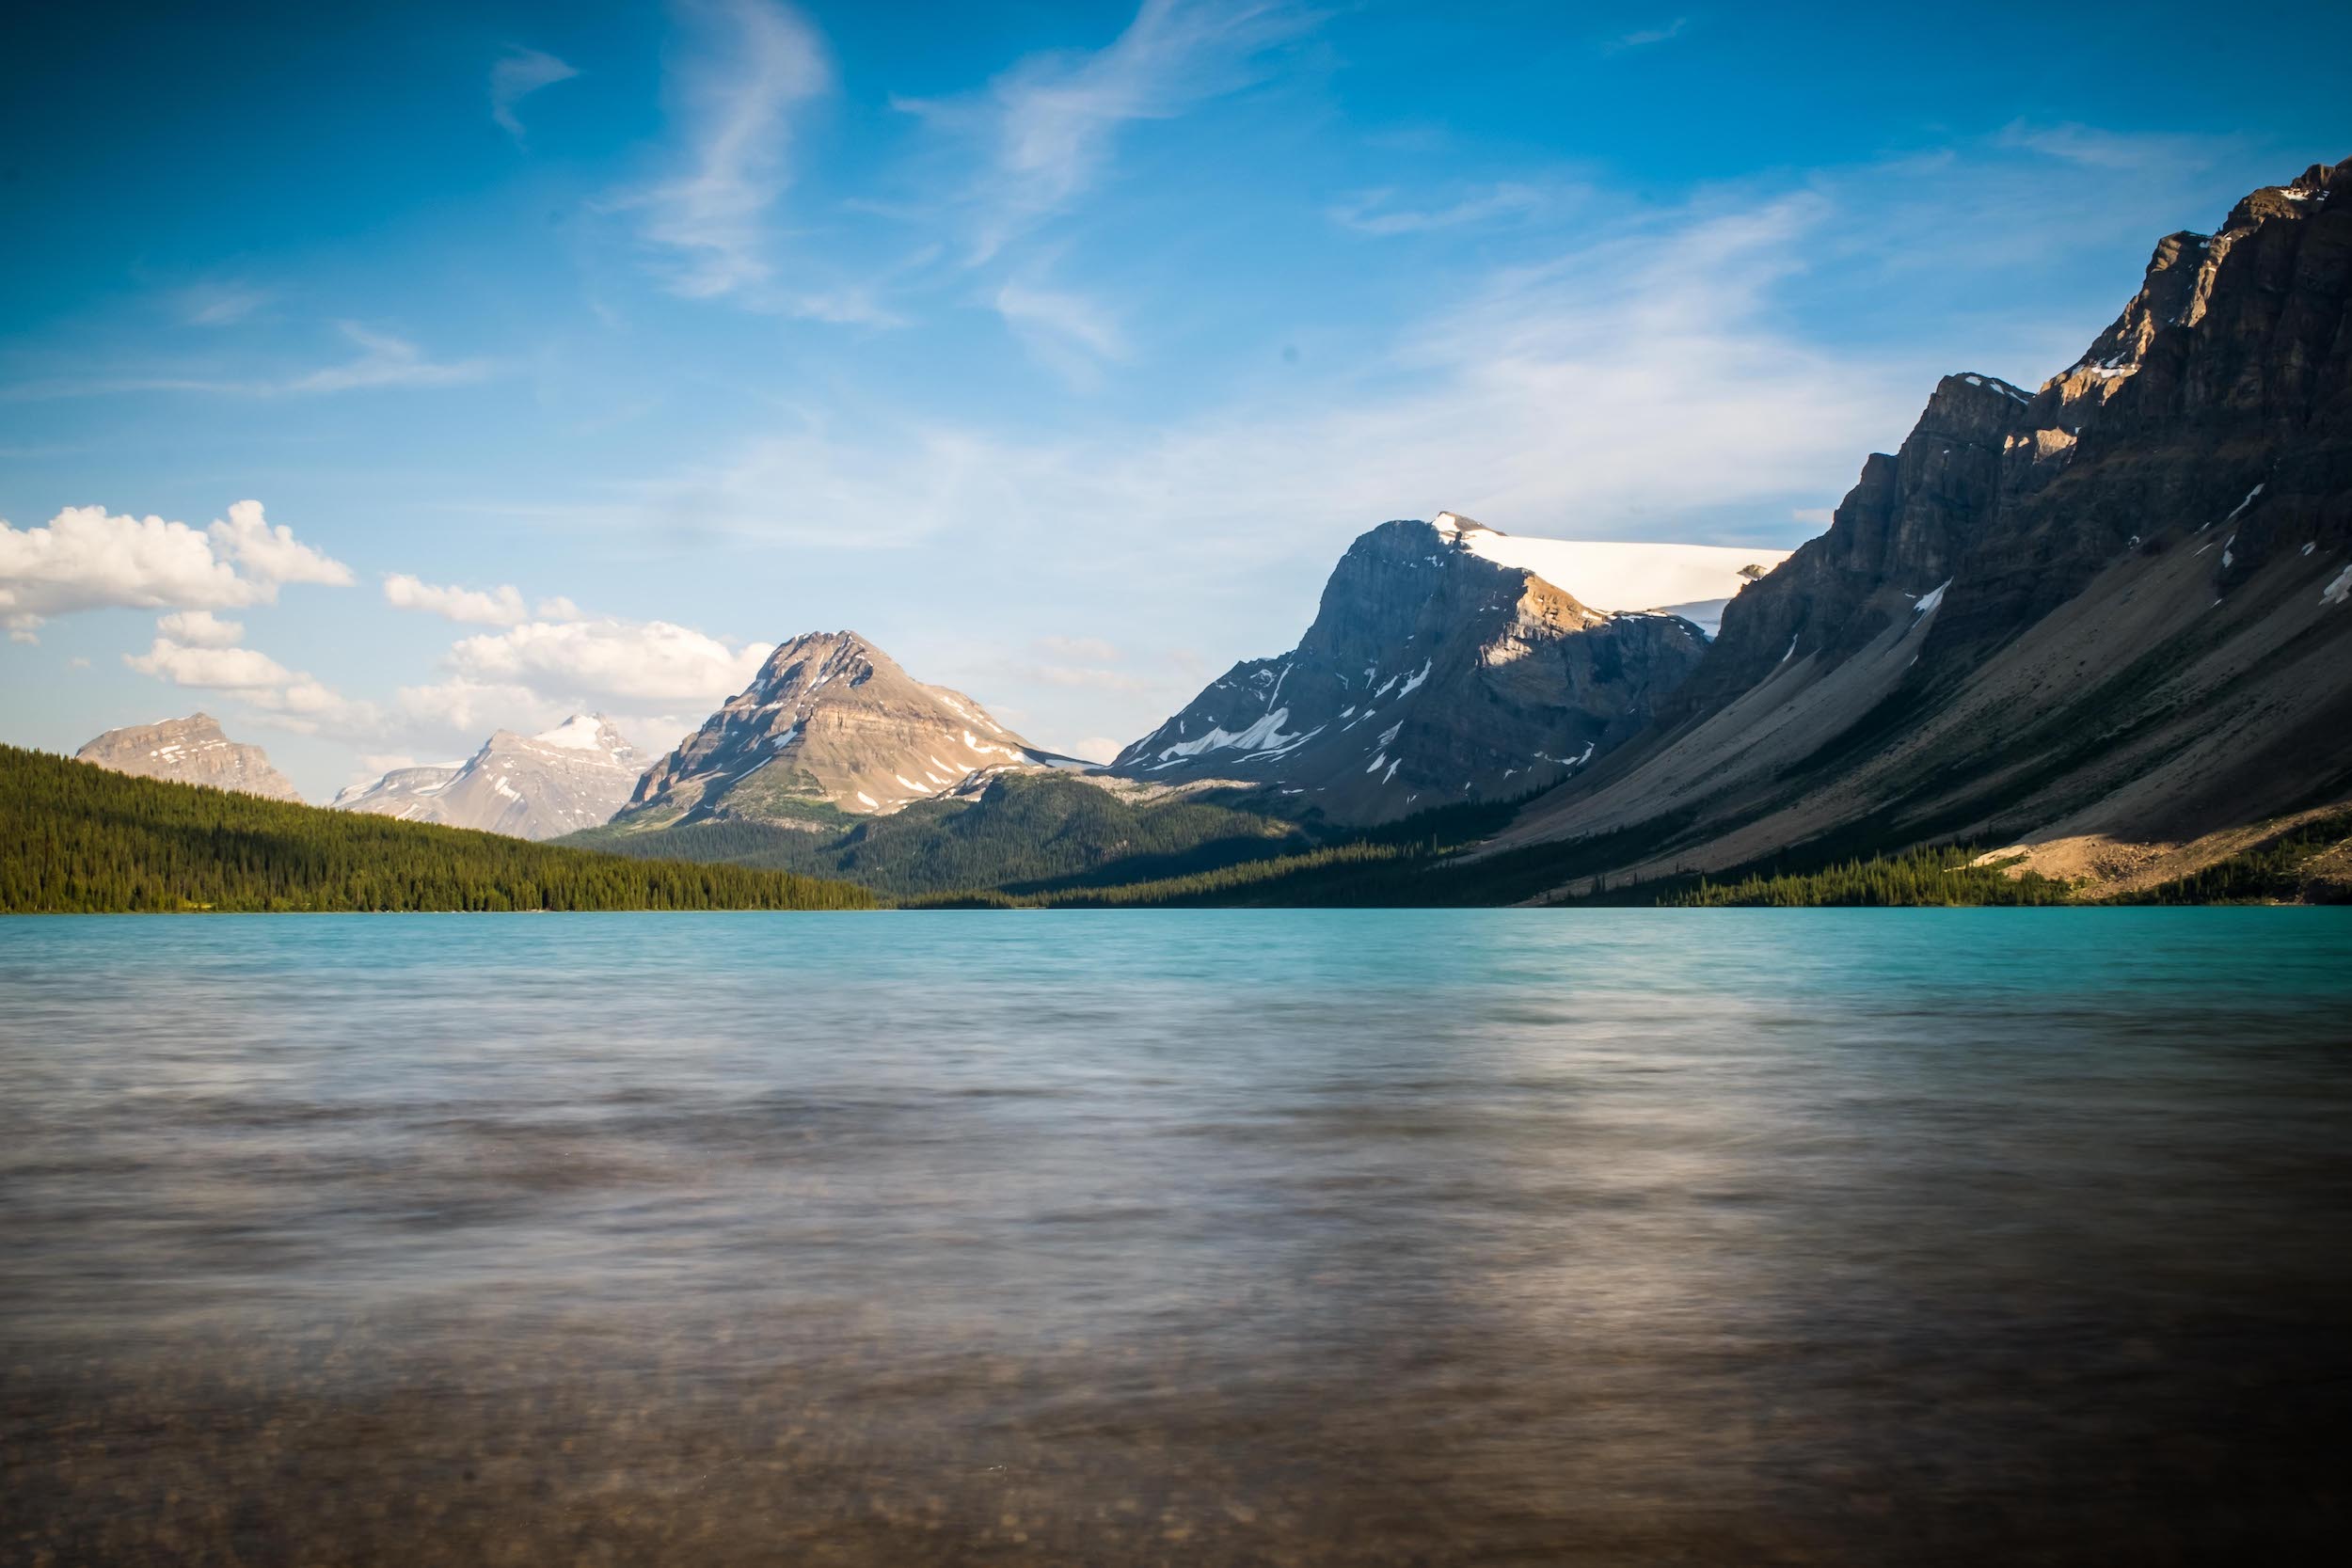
1504 1237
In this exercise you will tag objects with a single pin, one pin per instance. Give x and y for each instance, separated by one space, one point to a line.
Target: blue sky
582 352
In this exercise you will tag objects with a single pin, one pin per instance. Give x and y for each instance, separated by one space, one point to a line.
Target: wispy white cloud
220 304
1048 129
86 559
514 76
746 66
383 361
1375 211
1646 37
1067 332
2115 149
1093 650
1641 370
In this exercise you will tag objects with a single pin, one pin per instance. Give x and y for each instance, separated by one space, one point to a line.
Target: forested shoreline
81 840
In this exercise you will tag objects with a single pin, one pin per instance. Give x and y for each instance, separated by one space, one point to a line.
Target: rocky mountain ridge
2104 615
558 782
189 751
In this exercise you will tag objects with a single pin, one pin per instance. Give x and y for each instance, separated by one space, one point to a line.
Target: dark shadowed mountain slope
2102 617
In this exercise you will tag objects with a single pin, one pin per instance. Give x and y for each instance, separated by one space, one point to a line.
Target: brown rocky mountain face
1431 676
573 776
189 751
830 725
2103 618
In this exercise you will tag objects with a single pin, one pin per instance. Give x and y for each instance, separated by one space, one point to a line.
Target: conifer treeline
1941 875
78 839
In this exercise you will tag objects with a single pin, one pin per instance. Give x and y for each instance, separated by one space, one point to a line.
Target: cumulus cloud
201 628
271 555
461 712
501 605
85 557
214 669
610 662
470 710
518 75
275 695
308 706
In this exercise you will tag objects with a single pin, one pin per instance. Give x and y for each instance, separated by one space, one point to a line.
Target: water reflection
1110 1237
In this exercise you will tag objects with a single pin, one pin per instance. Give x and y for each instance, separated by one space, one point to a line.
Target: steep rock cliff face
1431 676
189 751
1898 535
2113 607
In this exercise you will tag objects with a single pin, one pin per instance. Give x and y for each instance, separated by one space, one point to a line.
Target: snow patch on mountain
1613 576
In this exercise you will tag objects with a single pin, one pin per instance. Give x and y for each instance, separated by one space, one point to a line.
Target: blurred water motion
1508 1237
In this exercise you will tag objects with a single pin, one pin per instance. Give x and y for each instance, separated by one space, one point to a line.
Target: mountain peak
1454 524
189 751
1441 668
830 724
557 782
583 732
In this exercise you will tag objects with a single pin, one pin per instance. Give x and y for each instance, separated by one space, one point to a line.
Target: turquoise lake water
1214 1237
